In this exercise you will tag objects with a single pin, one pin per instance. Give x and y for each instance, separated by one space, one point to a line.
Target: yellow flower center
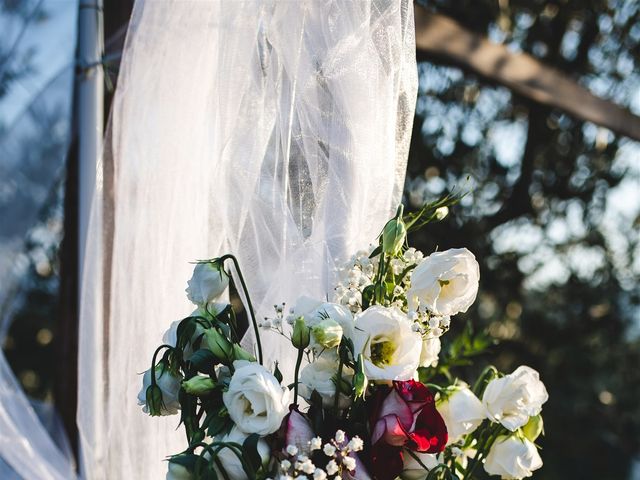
382 350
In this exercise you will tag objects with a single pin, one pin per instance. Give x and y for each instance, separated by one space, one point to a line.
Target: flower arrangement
373 396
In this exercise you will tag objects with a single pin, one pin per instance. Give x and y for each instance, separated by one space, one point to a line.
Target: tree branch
446 41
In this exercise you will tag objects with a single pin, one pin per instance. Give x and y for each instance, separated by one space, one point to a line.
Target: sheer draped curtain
274 130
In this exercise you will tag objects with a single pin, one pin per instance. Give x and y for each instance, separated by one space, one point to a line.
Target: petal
395 405
298 431
387 461
414 393
390 430
430 432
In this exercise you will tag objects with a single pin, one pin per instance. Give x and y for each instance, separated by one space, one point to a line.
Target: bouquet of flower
372 396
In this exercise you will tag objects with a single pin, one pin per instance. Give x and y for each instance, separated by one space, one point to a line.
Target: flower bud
198 385
301 334
240 353
154 400
327 333
219 345
394 234
159 392
360 380
533 428
441 213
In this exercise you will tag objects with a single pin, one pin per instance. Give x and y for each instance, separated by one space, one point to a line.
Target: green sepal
533 428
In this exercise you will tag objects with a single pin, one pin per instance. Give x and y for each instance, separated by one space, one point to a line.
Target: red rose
407 418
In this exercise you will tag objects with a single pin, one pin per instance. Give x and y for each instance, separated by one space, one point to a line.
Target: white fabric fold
277 131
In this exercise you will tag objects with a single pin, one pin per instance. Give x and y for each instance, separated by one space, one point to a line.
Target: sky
50 41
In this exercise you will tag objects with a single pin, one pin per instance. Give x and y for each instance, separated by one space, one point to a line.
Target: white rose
319 376
430 350
178 472
512 458
169 385
256 401
462 413
230 461
445 283
208 282
512 399
418 469
390 347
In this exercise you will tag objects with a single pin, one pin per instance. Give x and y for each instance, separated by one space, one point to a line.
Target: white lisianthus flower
445 283
512 458
230 461
462 413
208 282
418 469
319 376
512 399
256 401
430 350
169 385
389 346
178 472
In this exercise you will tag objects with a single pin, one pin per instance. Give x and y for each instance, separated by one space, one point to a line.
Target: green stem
435 387
249 304
492 433
381 273
483 376
153 362
295 376
338 383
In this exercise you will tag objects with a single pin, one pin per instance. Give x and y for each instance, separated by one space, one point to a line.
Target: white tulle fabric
274 130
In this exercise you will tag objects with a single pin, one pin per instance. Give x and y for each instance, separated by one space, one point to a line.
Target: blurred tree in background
553 216
35 105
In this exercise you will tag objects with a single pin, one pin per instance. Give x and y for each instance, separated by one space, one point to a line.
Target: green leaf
277 373
216 425
250 451
376 251
389 287
367 296
203 359
185 331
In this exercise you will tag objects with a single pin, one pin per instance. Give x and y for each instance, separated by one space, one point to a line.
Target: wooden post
88 121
